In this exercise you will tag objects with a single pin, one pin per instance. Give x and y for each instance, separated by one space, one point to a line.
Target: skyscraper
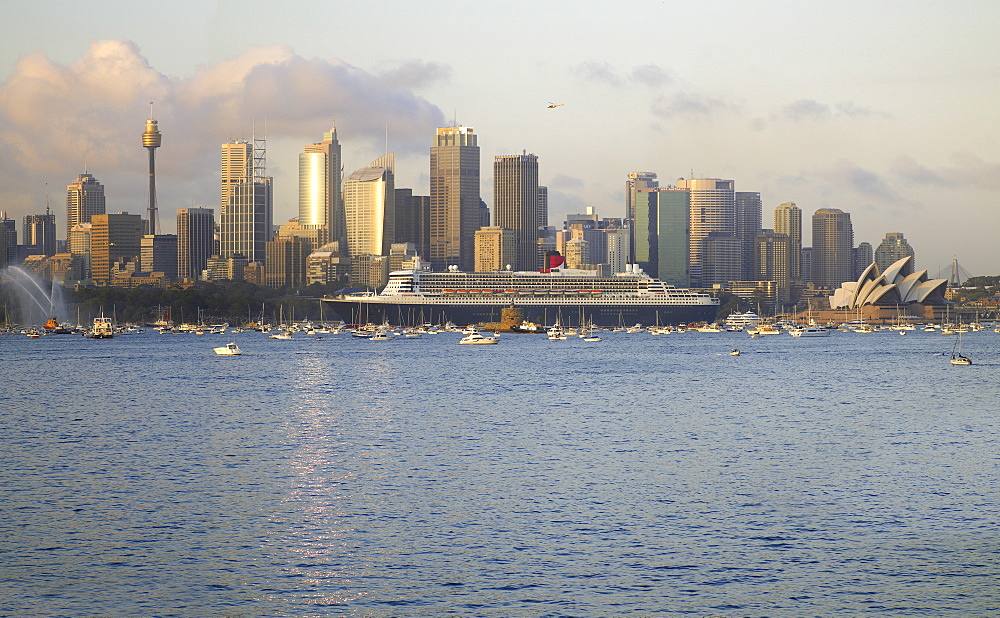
771 262
832 248
40 234
543 207
515 204
788 221
195 241
413 214
114 237
8 228
370 208
455 210
320 178
892 249
662 226
864 255
246 193
151 141
637 181
713 211
748 225
159 254
84 198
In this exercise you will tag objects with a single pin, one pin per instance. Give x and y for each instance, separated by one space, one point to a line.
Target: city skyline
754 97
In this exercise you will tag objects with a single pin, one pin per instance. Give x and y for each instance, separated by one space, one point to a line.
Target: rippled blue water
855 474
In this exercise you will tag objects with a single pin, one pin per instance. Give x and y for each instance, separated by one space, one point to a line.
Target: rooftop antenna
46 199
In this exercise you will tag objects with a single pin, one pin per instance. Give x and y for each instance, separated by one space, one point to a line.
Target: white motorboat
809 331
476 338
230 349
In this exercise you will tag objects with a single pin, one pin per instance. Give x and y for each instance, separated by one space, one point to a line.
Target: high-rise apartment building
84 198
247 197
832 248
40 234
713 211
788 221
195 241
320 181
370 208
748 225
864 255
114 237
892 249
455 200
515 204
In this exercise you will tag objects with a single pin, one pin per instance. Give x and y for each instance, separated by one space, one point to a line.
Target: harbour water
642 475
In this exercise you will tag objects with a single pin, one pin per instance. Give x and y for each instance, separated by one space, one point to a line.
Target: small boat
956 354
476 338
230 349
735 352
285 335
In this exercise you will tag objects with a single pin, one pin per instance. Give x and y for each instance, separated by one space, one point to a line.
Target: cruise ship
567 296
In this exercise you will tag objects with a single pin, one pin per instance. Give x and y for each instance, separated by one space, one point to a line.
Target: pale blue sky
883 109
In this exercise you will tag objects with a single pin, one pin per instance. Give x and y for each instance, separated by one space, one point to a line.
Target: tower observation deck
151 141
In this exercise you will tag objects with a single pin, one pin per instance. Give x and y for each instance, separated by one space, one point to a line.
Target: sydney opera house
892 288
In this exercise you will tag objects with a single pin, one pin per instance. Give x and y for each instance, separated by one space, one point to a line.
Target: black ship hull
572 314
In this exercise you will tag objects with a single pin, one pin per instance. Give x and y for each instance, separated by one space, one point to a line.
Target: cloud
908 170
966 170
812 110
54 118
692 106
876 193
647 75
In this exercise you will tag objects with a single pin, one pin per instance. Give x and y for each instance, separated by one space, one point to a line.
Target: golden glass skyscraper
369 208
320 177
788 221
455 214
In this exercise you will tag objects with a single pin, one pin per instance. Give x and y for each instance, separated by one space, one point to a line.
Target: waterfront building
892 249
195 241
896 285
832 247
370 208
40 234
320 182
246 215
495 248
159 254
369 271
788 221
713 211
515 204
286 261
327 265
455 203
413 215
114 238
84 198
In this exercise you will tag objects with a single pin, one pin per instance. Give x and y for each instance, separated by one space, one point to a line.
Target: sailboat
956 354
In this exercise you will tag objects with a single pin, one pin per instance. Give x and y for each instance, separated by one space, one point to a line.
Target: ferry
420 295
102 329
